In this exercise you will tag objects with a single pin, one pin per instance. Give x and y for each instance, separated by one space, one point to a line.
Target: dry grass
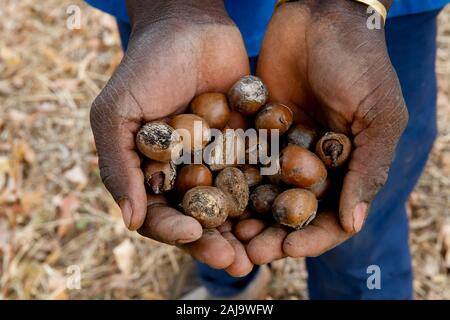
54 211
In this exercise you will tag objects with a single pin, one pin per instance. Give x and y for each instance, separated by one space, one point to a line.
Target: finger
376 133
323 234
267 246
114 133
167 225
212 249
241 265
246 230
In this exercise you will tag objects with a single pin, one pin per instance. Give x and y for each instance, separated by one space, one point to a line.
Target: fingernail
359 215
127 211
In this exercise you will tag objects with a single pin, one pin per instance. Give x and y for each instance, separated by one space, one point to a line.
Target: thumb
376 135
115 119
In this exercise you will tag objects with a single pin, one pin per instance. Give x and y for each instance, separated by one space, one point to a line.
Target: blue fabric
252 16
342 272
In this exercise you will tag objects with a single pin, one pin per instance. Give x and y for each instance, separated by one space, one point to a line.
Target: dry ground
54 211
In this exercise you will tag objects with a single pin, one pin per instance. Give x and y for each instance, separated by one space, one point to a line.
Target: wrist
144 12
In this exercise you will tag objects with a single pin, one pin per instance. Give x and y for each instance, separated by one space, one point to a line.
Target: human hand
177 50
321 60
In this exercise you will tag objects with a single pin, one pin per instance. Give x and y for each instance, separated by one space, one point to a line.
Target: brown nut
262 198
320 190
252 175
237 121
208 205
334 149
213 107
232 182
228 152
192 176
295 208
248 95
301 168
160 176
274 116
159 141
194 130
302 136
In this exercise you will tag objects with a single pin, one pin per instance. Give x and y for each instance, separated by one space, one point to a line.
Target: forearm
195 11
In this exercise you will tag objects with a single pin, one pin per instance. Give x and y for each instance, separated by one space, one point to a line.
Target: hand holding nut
339 81
164 68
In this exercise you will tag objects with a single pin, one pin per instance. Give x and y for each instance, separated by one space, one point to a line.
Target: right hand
177 51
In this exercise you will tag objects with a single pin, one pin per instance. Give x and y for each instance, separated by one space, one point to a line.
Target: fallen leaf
5 170
68 206
445 236
17 117
30 200
445 162
59 294
124 254
10 57
77 176
431 266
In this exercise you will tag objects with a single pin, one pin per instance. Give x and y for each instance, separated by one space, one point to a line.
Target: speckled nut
228 152
233 183
334 149
295 208
208 205
159 141
248 95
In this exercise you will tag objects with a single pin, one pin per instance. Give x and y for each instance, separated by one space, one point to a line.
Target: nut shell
237 121
302 136
274 116
192 176
334 149
159 141
213 107
295 208
194 131
252 175
263 197
321 190
233 183
159 176
301 168
248 95
228 152
208 205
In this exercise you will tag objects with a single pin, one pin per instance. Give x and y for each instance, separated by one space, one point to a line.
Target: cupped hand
177 50
322 60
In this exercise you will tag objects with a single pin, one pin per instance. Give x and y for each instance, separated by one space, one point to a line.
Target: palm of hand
333 73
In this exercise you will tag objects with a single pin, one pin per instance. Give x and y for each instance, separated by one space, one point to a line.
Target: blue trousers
343 272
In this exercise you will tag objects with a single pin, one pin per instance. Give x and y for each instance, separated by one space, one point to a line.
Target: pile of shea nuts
226 185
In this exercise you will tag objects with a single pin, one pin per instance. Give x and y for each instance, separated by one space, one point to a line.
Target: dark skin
332 71
335 73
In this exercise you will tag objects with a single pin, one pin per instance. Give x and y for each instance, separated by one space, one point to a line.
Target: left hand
321 60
